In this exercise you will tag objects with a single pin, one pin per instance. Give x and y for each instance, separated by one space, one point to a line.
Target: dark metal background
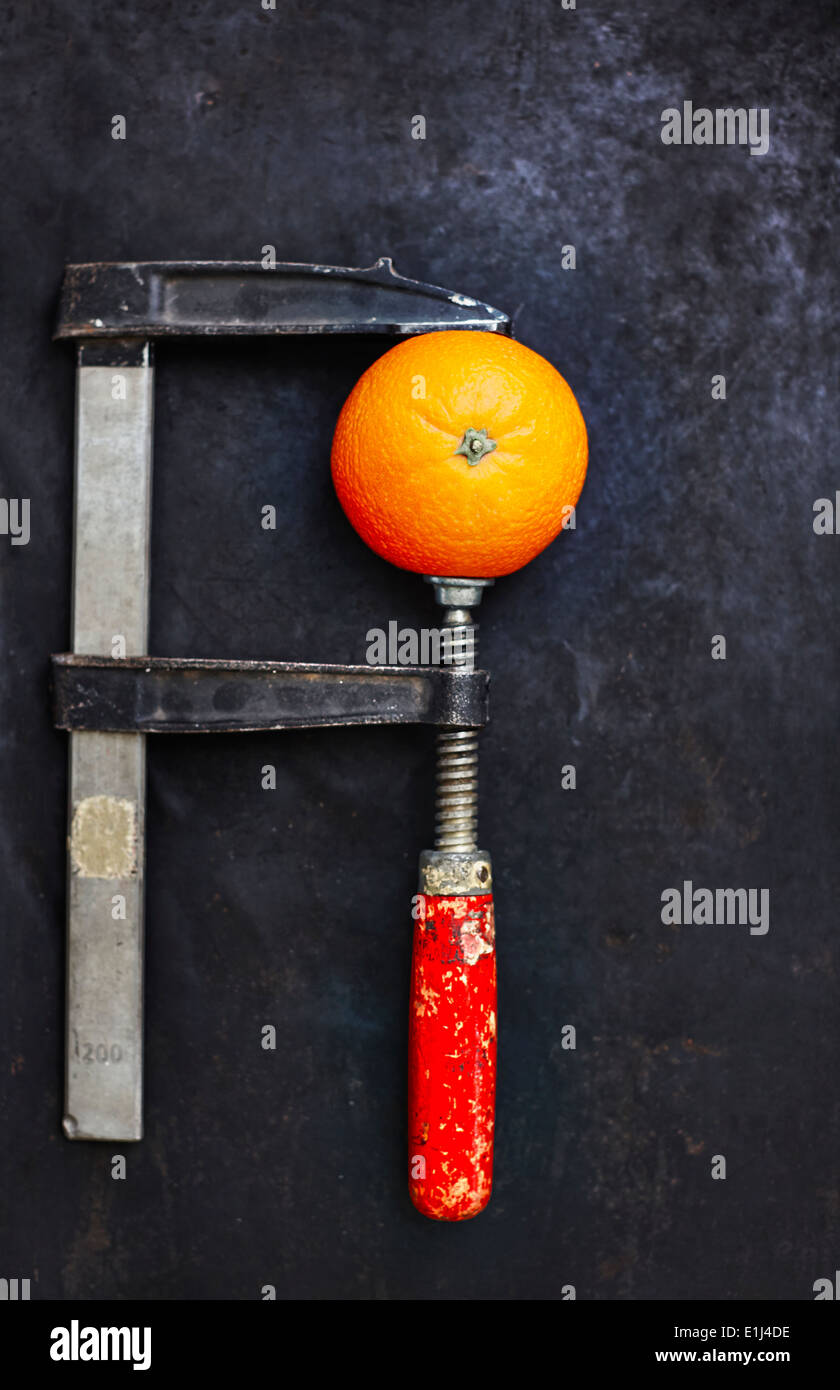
291 907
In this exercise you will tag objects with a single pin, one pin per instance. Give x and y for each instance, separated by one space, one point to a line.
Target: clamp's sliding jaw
174 695
108 704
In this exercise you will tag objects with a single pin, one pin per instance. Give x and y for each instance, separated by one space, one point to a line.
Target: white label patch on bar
103 837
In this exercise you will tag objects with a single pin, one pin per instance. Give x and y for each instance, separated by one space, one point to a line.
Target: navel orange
459 454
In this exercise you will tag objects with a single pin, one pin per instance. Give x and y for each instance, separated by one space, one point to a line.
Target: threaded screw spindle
456 803
456 800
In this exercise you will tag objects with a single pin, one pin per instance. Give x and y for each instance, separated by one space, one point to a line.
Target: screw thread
456 802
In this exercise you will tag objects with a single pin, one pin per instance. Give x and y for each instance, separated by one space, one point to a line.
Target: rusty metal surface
285 1167
455 872
153 695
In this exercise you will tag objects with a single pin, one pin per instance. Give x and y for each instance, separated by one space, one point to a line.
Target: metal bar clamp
109 693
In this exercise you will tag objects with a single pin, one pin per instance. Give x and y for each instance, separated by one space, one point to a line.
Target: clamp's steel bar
103 1083
156 299
153 695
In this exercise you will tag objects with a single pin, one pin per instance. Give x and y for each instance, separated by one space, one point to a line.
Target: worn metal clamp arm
161 694
162 299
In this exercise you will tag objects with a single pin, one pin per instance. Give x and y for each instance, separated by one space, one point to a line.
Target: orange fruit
459 454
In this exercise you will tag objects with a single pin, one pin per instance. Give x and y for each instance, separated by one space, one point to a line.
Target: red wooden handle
452 1057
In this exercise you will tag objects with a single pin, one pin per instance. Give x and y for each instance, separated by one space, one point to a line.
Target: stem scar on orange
459 453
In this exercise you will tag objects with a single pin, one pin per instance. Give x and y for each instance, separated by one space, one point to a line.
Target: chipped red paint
452 1057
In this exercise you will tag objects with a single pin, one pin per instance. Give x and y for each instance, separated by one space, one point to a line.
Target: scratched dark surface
291 907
